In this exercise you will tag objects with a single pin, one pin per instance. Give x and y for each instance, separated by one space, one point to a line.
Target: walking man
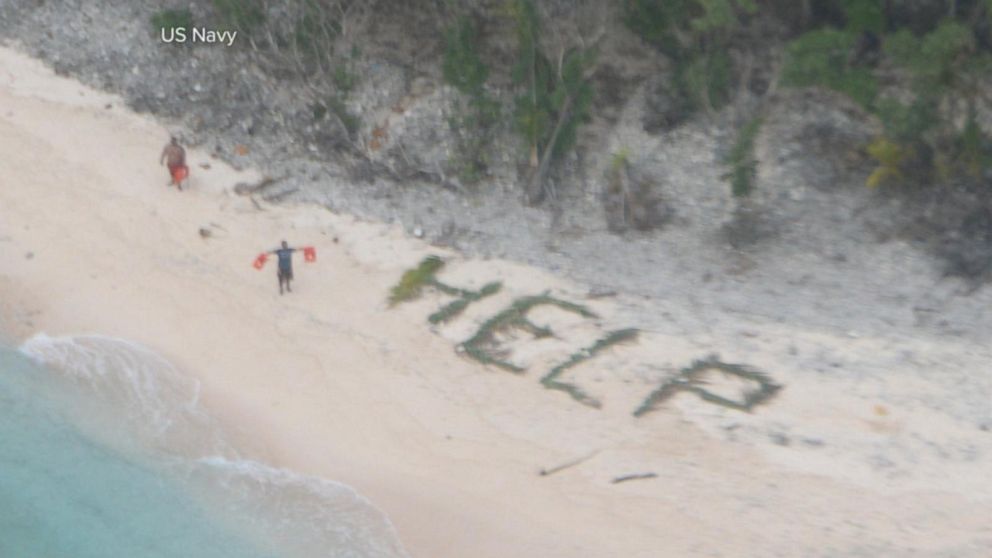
175 158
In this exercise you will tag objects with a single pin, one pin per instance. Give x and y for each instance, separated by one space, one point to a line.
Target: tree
556 96
464 69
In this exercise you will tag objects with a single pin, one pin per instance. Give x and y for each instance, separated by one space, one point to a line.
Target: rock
632 199
780 439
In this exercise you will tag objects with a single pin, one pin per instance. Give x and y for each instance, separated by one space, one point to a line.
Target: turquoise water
105 453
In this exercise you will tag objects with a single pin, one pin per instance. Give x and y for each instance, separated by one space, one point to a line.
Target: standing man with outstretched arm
175 157
285 268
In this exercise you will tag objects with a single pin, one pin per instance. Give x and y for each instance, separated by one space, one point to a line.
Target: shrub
945 64
571 99
244 15
315 30
472 122
705 80
743 165
172 19
890 157
660 22
463 67
697 35
553 101
344 79
864 15
932 60
819 58
906 122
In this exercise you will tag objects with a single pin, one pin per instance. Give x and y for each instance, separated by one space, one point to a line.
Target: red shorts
178 172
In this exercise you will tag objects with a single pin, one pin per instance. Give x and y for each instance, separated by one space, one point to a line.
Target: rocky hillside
781 159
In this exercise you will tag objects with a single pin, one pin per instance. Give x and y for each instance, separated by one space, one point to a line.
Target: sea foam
141 411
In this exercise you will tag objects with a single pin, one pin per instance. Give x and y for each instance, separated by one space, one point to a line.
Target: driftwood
635 476
567 464
279 196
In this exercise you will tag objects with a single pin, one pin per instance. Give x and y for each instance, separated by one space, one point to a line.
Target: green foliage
344 79
524 14
413 281
550 380
660 22
456 307
472 122
619 160
743 165
482 346
677 26
972 150
690 380
172 19
933 59
533 115
890 157
315 29
906 123
705 80
243 15
571 99
943 65
696 35
864 15
721 14
553 102
533 111
473 131
820 58
463 67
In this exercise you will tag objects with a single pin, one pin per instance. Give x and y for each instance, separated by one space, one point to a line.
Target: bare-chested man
175 157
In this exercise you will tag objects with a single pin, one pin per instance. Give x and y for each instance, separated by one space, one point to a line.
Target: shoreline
331 382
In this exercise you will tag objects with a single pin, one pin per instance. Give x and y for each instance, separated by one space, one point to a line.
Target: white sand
330 381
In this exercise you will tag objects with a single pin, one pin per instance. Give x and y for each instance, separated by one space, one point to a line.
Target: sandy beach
331 381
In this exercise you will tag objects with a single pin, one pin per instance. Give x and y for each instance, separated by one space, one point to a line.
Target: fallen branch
635 476
568 464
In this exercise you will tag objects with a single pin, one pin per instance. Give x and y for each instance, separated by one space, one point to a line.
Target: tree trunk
806 15
535 186
533 102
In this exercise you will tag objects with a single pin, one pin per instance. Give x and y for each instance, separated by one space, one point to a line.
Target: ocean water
105 452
